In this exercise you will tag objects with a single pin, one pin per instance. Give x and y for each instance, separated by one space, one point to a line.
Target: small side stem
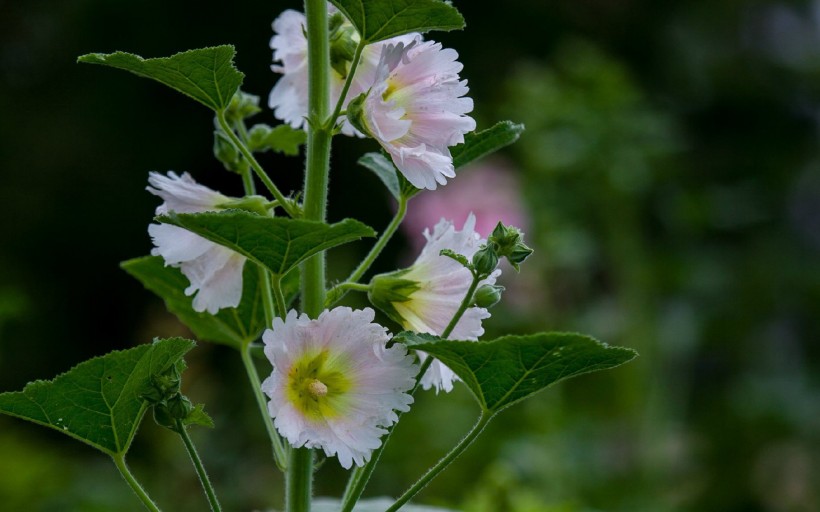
465 303
267 296
279 455
374 253
443 463
247 181
276 283
270 185
353 65
119 461
200 469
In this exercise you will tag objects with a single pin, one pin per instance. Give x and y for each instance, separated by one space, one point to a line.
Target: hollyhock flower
289 97
416 109
214 271
335 385
426 296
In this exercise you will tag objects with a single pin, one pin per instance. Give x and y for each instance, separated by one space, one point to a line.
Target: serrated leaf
370 505
382 19
206 75
98 401
281 139
384 169
480 144
234 327
277 243
506 370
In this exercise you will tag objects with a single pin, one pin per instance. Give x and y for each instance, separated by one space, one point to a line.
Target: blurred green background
669 180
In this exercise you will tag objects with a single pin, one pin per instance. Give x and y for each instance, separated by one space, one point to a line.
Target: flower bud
488 295
243 105
356 115
226 152
509 242
343 41
162 416
485 260
179 406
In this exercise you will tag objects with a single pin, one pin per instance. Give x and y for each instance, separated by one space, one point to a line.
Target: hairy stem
263 176
279 454
443 463
353 65
119 461
200 469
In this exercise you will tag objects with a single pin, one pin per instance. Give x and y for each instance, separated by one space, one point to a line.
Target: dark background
671 186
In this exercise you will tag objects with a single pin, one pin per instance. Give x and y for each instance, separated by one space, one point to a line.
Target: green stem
358 479
374 253
119 461
267 296
200 469
247 181
299 479
279 455
287 205
279 296
443 463
465 303
353 65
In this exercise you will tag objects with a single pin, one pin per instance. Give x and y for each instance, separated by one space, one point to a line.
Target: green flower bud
242 106
163 417
488 295
385 289
355 114
485 260
343 41
509 242
226 152
505 238
179 406
519 253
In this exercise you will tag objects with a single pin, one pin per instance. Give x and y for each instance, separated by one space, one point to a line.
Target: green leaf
98 401
277 243
382 19
382 167
281 139
206 75
370 505
234 327
480 144
504 371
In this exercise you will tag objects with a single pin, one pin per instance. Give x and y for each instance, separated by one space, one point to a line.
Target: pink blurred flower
490 190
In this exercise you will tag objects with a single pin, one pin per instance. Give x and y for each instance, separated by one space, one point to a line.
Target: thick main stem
119 461
200 468
317 168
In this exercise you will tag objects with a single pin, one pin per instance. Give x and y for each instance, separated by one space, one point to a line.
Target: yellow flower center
317 385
